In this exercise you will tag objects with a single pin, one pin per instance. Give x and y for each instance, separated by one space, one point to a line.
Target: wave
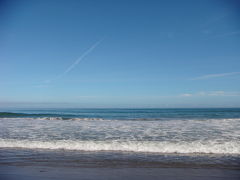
11 114
42 116
197 147
7 114
53 118
103 119
59 116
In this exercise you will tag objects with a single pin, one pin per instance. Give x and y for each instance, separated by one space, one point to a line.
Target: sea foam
196 147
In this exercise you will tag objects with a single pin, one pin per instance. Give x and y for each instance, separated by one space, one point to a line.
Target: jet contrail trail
76 62
82 56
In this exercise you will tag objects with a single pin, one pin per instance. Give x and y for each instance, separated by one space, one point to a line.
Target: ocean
155 137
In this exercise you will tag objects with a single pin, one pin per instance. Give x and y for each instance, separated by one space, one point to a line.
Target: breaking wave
196 147
53 118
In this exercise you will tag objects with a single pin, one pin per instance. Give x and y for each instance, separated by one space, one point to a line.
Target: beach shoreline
36 172
122 144
25 164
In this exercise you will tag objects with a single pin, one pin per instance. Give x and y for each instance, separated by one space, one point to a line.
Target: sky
120 53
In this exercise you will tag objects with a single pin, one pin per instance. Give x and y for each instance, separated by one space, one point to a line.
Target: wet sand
25 164
74 173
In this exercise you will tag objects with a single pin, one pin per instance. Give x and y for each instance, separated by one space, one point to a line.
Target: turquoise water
123 114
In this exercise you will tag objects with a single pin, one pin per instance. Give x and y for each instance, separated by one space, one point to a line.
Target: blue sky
119 53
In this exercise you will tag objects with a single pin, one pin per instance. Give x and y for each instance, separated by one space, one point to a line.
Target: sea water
164 134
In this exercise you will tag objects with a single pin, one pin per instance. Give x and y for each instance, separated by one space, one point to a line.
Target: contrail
82 56
76 62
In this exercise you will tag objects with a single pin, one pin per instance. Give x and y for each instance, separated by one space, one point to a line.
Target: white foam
54 118
134 146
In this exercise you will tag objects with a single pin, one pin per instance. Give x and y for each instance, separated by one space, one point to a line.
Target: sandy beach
23 164
71 173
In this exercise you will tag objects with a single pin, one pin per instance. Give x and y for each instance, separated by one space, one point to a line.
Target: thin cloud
186 95
227 34
214 20
210 93
76 62
210 76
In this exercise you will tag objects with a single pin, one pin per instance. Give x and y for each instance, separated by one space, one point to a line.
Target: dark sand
73 173
24 164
